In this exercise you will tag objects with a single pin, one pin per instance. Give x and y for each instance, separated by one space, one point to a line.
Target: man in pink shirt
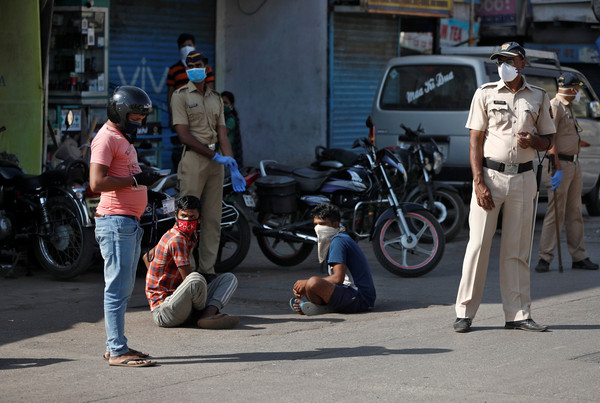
116 174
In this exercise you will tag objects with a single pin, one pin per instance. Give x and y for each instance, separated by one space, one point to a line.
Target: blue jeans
119 239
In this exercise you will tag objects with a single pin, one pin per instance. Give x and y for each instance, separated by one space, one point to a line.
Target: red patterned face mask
187 226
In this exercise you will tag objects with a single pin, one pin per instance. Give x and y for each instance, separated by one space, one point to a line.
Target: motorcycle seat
309 180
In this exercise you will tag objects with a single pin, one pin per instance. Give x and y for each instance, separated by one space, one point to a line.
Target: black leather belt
510 169
118 215
564 157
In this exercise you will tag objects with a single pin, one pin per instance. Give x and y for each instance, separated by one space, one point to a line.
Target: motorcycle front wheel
234 245
279 251
66 248
409 256
448 209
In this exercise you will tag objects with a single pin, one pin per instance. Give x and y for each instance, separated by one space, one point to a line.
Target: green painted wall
21 90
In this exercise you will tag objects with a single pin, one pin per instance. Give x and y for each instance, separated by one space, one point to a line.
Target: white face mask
507 72
325 234
183 52
578 96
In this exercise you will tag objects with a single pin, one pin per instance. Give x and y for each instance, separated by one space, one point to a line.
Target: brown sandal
106 355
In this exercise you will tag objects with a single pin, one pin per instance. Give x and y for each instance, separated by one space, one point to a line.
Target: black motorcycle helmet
127 99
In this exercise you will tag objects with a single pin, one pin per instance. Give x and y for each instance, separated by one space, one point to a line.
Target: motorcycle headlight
79 192
437 162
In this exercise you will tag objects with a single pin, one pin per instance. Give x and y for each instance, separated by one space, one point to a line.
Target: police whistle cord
556 225
538 179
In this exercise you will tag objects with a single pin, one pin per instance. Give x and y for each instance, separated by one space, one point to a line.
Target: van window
426 87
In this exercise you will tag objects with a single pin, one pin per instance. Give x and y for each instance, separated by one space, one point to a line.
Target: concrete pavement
52 339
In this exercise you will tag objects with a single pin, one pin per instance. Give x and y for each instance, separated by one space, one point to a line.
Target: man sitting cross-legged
174 292
349 287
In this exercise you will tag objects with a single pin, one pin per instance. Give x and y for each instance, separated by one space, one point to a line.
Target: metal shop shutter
143 43
362 45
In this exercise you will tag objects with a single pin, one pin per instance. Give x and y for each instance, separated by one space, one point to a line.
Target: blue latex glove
227 161
238 181
556 179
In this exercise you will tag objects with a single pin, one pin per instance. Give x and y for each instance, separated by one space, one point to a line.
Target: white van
435 91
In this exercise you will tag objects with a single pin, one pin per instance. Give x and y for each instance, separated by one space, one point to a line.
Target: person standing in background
565 181
177 78
232 123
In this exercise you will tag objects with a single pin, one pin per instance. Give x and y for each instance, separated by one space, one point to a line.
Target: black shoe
542 266
462 325
527 324
585 264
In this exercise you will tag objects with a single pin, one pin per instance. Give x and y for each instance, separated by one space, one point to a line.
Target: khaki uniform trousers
516 193
567 197
201 177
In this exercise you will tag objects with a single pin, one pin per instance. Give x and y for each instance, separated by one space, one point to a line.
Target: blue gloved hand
227 161
556 179
238 181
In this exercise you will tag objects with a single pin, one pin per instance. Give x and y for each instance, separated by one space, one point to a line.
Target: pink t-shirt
111 148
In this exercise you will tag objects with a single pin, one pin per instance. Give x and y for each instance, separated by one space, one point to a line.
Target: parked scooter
44 213
406 238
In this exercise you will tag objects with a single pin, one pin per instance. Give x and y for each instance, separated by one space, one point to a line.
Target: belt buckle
212 146
576 158
511 169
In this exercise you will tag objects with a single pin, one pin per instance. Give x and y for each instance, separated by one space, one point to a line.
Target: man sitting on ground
349 287
176 293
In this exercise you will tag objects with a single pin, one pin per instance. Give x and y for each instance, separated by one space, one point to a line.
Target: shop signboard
498 12
424 8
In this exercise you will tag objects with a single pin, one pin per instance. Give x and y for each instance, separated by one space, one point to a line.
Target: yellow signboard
424 8
21 90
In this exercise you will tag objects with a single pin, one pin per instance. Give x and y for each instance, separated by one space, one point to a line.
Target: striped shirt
178 77
163 277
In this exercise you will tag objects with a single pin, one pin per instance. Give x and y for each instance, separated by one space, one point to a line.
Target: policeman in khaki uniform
508 121
200 125
565 180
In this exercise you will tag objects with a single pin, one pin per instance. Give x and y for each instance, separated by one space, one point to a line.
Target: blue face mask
196 75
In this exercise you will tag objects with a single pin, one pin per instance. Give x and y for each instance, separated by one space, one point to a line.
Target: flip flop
221 321
293 301
311 309
125 363
106 355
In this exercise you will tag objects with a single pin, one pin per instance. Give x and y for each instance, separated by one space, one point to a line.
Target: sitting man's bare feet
130 360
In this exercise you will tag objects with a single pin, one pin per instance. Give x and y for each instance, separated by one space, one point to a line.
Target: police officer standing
509 119
199 121
565 180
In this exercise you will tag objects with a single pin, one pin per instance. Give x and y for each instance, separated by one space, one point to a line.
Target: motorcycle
46 212
423 162
406 238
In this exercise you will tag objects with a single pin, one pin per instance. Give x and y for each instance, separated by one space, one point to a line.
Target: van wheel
592 200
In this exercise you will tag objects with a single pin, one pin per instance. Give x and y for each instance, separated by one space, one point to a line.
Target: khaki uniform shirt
202 113
567 129
502 114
